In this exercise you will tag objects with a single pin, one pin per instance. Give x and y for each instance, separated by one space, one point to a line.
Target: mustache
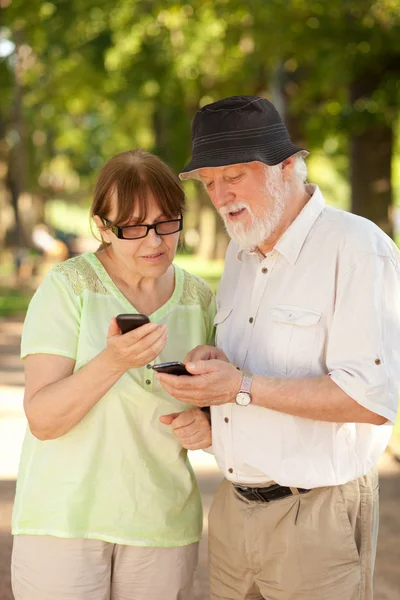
234 207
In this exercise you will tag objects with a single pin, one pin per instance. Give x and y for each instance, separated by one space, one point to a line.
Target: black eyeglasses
135 232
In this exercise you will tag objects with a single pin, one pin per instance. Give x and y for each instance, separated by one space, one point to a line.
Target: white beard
261 228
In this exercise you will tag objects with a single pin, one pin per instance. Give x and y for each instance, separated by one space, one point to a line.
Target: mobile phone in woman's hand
132 321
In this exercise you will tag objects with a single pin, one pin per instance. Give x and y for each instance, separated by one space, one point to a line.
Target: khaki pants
51 568
319 545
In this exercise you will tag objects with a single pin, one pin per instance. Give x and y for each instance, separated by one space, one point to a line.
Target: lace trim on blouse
81 276
195 292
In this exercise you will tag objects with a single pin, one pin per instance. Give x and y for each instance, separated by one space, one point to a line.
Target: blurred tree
98 79
53 67
339 74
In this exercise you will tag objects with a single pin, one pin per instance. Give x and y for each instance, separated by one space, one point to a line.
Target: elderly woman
107 506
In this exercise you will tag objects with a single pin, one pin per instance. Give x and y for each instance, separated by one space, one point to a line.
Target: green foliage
99 78
341 42
209 270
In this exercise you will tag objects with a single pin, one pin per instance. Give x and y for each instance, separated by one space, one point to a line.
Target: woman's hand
136 348
205 353
49 376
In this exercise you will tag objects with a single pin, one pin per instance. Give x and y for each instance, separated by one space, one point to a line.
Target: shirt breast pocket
221 323
294 332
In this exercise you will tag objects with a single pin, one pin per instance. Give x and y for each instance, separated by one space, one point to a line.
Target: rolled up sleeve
363 353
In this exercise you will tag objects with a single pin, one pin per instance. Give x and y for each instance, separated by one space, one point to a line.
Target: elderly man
303 381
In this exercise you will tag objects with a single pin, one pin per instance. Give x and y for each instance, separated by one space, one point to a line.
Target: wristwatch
243 398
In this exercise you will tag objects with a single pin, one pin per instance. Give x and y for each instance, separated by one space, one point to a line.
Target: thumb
201 367
113 328
167 419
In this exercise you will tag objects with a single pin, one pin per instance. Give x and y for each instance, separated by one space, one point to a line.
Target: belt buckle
245 491
252 491
267 491
259 496
240 488
255 492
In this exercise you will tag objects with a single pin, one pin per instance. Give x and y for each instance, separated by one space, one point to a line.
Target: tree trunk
16 156
207 233
371 149
213 238
284 87
370 174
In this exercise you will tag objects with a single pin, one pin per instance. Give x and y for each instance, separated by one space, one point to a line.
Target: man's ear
288 167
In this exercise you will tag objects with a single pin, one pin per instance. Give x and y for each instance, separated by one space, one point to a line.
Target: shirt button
226 420
230 470
148 381
149 366
251 320
264 270
378 361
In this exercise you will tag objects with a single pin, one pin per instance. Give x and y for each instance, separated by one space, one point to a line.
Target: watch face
243 399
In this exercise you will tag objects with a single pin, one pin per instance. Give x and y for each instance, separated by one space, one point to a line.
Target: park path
12 426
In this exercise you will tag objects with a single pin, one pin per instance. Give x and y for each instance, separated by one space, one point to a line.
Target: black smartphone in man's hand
171 368
128 322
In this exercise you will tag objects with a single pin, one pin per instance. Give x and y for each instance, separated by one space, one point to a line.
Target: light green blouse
119 475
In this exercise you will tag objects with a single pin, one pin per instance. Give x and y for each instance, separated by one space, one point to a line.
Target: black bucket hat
239 129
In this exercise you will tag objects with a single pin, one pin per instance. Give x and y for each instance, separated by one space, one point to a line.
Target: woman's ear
104 232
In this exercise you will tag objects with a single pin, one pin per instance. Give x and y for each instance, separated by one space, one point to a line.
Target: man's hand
205 353
191 427
213 382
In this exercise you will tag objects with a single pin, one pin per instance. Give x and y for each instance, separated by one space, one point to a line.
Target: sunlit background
83 80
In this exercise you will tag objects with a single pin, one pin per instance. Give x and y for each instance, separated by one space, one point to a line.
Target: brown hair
134 174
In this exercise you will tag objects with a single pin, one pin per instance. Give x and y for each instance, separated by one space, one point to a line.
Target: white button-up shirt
324 301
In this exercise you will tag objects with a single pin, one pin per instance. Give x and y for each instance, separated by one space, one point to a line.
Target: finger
151 344
191 432
188 356
183 386
113 328
148 353
177 387
155 338
201 439
168 419
199 353
196 402
179 382
171 389
141 332
184 422
197 446
194 353
191 438
194 397
202 367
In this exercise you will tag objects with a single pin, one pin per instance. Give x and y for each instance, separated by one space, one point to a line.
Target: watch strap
245 386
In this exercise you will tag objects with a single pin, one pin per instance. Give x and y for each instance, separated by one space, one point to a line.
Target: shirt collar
291 242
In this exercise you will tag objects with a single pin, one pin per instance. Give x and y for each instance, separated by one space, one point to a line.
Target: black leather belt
273 492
